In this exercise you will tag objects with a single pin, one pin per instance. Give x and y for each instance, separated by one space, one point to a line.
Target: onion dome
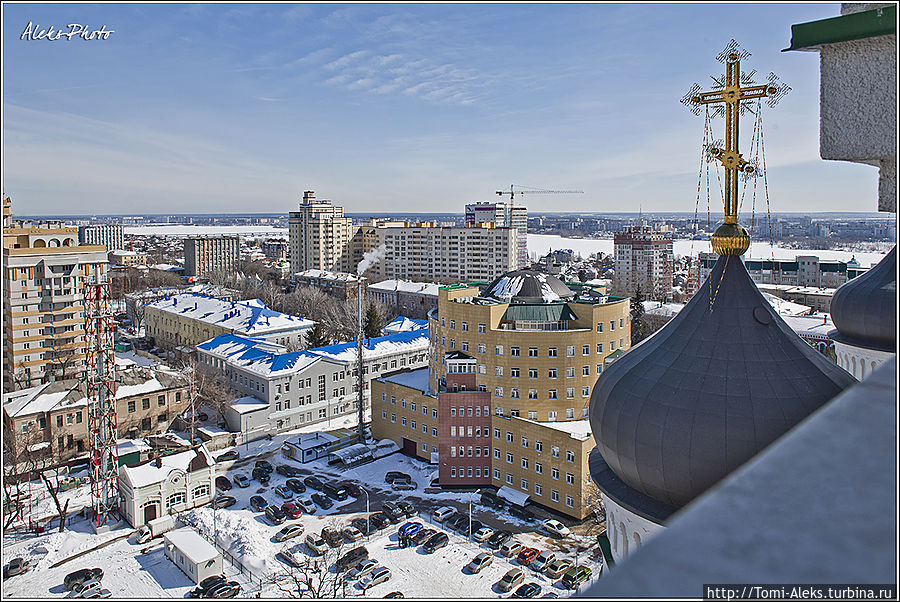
527 286
687 406
864 309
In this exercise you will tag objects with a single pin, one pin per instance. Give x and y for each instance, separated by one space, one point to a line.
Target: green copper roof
853 26
539 311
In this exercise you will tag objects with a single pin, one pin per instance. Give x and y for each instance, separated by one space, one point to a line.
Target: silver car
288 532
479 562
378 575
361 570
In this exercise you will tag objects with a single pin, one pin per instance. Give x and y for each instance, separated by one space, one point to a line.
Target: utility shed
195 556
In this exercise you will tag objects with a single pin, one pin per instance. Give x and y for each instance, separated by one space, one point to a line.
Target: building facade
337 284
414 299
44 274
643 261
111 236
503 214
187 319
803 270
319 236
207 255
126 259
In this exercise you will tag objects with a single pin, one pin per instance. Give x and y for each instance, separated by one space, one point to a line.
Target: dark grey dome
527 286
864 309
716 385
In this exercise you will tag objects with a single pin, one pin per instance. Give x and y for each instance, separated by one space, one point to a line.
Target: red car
527 555
291 509
223 484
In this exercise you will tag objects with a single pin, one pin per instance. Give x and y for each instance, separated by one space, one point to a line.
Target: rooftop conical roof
716 385
864 309
528 286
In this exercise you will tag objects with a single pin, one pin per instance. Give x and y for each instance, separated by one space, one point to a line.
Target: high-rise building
44 274
111 236
207 255
643 260
319 236
503 214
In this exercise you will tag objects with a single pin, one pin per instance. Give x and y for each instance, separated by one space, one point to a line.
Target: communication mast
101 389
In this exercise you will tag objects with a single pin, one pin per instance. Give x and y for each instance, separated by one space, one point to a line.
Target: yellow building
44 273
507 391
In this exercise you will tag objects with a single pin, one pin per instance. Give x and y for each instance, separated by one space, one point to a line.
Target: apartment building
111 236
319 236
414 299
643 261
207 255
44 274
126 259
283 390
187 319
337 284
275 249
803 270
503 214
53 419
446 254
511 362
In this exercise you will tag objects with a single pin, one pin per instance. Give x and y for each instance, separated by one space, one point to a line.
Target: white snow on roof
405 286
250 317
813 327
326 275
657 308
403 324
245 405
786 308
314 440
166 267
579 429
130 358
33 400
189 543
149 473
516 497
414 379
128 446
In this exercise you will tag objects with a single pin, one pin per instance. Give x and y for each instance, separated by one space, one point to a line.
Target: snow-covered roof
657 308
42 398
166 267
414 379
376 347
148 473
402 324
812 327
129 446
189 543
245 405
786 308
326 275
131 358
518 498
123 253
579 429
314 440
405 286
250 317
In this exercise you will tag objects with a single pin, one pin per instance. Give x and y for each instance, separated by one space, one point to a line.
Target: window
470 451
514 393
612 345
434 412
453 470
585 391
532 394
570 372
434 432
443 321
481 328
599 326
551 394
585 370
160 400
424 447
570 394
498 391
509 478
393 400
412 406
482 348
403 420
402 403
145 403
465 346
621 322
551 373
514 351
498 349
469 431
538 446
453 411
570 351
570 456
554 473
131 408
554 451
509 436
453 431
570 501
599 347
570 478
497 452
498 370
532 352
585 350
525 484
538 490
393 417
412 424
612 324
477 452
551 352
496 433
532 373
384 414
538 468
599 368
524 462
464 326
470 410
514 413
69 418
453 324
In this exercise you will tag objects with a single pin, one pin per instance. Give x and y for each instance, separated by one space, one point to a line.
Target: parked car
499 538
228 456
443 513
289 532
87 585
511 548
313 482
206 584
352 488
275 515
363 568
322 500
223 501
407 508
526 555
96 592
557 568
363 525
471 528
490 499
401 485
479 562
16 566
316 544
457 522
393 595
260 475
258 503
288 471
241 480
409 529
436 541
292 510
222 483
332 536
379 575
264 465
575 576
335 491
482 534
284 491
523 513
527 590
423 535
513 577
306 505
351 533
395 475
543 560
224 590
296 485
379 520
351 559
555 528
393 512
294 555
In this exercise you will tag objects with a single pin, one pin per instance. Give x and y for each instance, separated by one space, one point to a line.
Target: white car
511 548
442 513
289 531
482 534
144 534
294 555
378 575
86 585
479 562
361 570
316 544
542 560
555 528
241 480
96 592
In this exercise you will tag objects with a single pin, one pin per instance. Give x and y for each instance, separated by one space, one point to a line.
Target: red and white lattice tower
101 385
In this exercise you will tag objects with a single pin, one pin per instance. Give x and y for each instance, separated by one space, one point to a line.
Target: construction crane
512 192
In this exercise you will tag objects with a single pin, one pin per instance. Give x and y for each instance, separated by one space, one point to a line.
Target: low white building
195 556
166 485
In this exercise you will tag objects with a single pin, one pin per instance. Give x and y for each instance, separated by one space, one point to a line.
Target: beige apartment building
319 236
207 255
53 418
643 262
126 259
44 274
505 398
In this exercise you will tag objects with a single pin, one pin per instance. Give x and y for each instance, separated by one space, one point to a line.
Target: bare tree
205 386
315 577
53 490
62 359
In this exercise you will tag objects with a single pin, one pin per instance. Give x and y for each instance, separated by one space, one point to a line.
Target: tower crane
512 192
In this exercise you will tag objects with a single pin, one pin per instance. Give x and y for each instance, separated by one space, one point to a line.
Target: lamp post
470 521
368 525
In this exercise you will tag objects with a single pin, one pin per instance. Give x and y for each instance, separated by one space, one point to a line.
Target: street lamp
368 525
470 521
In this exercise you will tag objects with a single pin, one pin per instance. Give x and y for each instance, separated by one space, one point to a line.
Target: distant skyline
233 108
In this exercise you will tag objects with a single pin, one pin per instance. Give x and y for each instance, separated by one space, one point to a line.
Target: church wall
627 531
859 361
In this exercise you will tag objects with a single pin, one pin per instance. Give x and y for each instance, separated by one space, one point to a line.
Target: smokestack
359 356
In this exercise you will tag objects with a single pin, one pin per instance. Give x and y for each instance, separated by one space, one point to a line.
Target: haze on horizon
204 108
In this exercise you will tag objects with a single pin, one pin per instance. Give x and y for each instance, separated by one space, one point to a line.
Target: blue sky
202 108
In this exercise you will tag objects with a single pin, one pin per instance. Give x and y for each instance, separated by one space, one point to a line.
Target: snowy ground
144 572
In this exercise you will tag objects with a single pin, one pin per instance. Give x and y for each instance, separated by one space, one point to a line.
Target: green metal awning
853 26
540 312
